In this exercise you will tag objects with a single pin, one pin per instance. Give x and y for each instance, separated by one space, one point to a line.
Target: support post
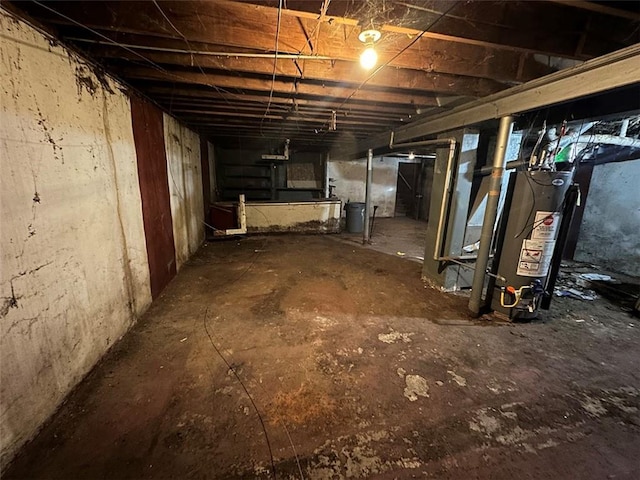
367 198
486 236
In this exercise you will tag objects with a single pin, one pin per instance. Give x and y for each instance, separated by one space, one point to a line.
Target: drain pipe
367 199
446 193
490 213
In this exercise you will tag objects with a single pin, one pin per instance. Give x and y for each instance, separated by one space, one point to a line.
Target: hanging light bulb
412 155
369 57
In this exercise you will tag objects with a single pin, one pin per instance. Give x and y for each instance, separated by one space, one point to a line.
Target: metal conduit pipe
490 213
488 169
446 193
367 198
209 53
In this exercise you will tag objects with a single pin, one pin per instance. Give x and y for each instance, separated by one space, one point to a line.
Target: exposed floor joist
219 56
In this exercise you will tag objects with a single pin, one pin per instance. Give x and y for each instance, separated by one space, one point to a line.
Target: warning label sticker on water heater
535 258
545 226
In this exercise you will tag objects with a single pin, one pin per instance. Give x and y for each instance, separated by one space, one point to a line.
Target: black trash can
355 217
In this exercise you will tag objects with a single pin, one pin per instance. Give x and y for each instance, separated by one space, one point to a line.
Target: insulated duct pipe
598 139
367 198
446 193
486 236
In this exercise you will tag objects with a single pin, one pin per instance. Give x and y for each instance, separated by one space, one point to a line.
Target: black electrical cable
193 60
153 64
255 407
521 157
275 65
235 280
379 69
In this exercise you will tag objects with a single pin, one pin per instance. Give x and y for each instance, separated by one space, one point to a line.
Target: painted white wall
74 273
610 229
350 177
185 187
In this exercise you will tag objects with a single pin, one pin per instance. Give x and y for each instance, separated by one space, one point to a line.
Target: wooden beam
195 92
191 114
323 70
283 111
294 134
527 27
251 26
615 70
281 131
170 96
242 84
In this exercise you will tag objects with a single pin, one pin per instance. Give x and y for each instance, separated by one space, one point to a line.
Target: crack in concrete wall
126 262
185 188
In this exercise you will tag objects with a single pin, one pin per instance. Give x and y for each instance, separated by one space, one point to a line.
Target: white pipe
204 52
327 158
446 193
367 198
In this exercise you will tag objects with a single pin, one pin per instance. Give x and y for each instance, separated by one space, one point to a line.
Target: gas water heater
527 237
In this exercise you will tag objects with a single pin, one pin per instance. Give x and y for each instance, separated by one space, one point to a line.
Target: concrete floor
399 236
357 370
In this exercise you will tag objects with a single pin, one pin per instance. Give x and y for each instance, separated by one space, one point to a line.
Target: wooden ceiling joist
176 102
255 27
279 85
208 93
212 64
522 26
253 111
322 70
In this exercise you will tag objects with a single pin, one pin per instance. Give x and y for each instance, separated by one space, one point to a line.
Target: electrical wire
193 60
323 11
223 92
284 426
275 65
524 169
95 32
246 391
206 311
558 209
379 69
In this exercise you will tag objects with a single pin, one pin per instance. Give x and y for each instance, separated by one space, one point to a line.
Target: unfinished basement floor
358 371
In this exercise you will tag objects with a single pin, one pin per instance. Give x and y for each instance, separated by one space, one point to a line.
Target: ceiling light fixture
412 155
369 57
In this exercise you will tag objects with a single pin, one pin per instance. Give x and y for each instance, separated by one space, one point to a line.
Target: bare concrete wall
610 230
74 273
322 216
185 186
350 176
